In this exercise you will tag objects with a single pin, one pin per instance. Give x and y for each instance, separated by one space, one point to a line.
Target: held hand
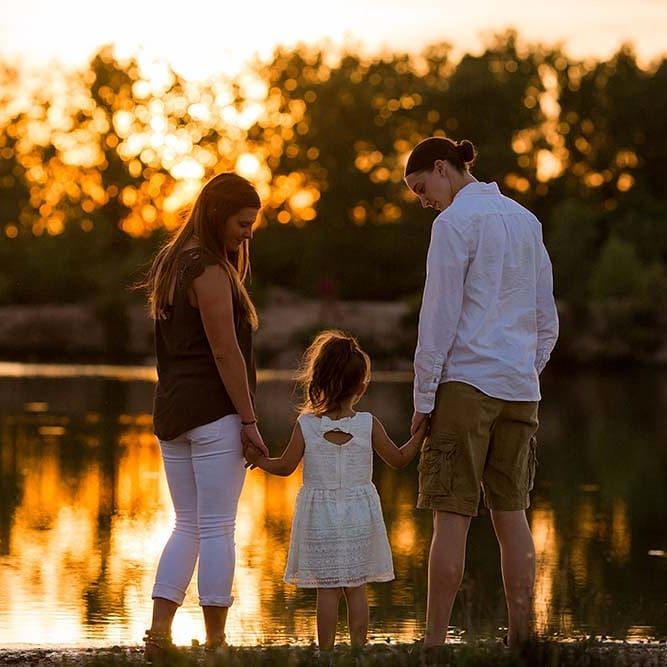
424 428
252 457
251 454
251 438
417 419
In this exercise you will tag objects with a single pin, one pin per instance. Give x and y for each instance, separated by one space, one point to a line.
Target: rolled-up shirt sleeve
547 315
442 303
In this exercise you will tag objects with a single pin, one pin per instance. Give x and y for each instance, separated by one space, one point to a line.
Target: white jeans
205 474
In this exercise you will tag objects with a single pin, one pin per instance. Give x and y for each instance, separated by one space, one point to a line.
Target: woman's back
190 391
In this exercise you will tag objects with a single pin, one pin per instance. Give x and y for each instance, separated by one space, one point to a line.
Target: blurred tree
92 180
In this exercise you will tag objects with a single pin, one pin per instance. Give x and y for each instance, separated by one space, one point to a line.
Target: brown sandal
158 647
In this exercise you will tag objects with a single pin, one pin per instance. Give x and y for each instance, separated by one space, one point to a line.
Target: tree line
92 180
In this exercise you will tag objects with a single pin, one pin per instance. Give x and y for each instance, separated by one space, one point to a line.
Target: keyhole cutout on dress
338 437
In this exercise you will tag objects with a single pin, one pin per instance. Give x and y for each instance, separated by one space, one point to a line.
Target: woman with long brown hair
204 323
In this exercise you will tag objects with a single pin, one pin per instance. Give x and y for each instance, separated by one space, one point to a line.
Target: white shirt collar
478 188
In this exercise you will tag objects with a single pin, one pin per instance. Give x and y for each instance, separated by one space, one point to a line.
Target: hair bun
466 150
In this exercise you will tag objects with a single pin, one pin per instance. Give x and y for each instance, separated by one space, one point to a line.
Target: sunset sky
202 37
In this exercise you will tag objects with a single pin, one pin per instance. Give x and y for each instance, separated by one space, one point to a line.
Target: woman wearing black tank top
204 399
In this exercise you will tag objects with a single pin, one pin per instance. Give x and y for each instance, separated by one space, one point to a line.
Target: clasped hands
417 419
253 445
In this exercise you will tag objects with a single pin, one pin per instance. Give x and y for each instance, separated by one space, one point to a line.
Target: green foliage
342 132
618 273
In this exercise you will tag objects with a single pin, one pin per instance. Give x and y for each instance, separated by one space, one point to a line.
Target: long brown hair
333 369
222 196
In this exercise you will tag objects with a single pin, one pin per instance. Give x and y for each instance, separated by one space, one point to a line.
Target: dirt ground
481 654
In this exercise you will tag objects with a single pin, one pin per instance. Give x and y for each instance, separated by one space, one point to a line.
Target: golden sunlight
248 165
55 543
543 527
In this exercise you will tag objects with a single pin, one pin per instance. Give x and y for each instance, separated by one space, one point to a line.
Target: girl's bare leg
357 614
328 600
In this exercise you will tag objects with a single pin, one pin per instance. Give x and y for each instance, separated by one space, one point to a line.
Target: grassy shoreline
474 654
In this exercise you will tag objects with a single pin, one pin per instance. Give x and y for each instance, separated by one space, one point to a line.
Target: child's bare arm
286 463
392 454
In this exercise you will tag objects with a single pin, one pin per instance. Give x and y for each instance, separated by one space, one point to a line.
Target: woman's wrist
249 422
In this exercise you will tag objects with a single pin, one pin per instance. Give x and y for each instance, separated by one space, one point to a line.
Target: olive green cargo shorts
477 443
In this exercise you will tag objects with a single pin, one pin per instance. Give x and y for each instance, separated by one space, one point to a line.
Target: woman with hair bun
487 326
438 168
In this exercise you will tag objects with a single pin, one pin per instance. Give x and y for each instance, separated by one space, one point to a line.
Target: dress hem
310 583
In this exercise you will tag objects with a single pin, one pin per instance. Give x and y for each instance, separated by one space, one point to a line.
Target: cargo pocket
436 466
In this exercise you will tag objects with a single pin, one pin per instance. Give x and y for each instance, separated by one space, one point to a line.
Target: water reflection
85 512
543 527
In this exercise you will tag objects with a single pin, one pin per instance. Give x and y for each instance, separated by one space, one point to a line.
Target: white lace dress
338 533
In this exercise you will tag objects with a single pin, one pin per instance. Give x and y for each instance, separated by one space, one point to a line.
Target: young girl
339 541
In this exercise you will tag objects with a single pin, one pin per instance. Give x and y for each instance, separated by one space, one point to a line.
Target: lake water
85 511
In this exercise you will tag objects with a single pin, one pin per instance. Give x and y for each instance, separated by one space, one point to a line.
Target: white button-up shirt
488 315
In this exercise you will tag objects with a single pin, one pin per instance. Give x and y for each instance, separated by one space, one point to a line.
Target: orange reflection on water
264 519
84 529
403 532
543 527
51 559
620 532
586 530
85 538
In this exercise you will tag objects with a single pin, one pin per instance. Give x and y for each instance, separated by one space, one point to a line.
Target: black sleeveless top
189 390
